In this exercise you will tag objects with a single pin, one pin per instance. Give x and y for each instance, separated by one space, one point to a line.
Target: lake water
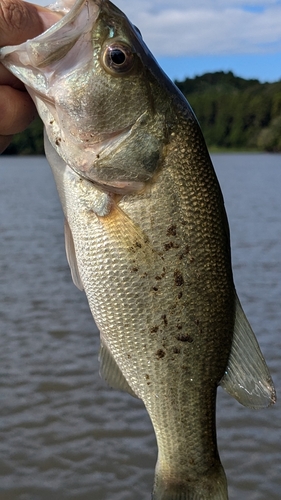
63 433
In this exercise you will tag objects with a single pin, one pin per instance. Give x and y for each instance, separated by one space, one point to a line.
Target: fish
146 234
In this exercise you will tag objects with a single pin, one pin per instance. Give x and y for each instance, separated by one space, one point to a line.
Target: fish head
100 93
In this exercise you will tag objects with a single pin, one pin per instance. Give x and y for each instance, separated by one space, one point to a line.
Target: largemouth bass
146 234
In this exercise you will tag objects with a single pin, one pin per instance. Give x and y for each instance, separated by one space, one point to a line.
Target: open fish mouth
65 22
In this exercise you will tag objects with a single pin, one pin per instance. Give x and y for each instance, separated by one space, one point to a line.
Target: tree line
234 113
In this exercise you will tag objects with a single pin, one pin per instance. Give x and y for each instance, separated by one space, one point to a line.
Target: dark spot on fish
148 383
180 295
184 337
138 244
98 156
176 350
129 356
167 246
154 329
178 278
164 317
179 326
158 278
160 353
155 289
58 141
51 122
147 376
135 269
172 230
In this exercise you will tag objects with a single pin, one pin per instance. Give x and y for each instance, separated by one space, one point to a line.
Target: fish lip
68 25
68 14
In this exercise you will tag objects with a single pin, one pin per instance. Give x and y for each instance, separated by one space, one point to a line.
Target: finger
18 22
16 110
4 142
7 78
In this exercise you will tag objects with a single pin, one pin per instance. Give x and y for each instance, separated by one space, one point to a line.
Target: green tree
29 142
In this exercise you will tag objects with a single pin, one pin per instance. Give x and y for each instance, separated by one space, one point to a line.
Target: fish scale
146 235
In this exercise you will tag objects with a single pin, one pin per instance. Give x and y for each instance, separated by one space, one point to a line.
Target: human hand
19 21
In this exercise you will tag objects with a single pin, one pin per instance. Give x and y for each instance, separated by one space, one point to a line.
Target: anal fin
247 377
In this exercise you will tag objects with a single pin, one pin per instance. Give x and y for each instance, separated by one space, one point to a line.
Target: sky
192 37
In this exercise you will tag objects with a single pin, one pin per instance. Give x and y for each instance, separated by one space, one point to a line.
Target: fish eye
118 58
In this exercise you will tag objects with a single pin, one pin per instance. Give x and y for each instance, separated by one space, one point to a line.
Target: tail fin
210 486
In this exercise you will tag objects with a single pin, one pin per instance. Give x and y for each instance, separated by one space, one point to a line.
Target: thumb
19 21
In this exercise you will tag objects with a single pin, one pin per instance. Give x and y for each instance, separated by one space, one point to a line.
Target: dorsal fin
247 377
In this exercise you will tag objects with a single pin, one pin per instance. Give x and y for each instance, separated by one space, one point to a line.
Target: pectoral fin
247 377
71 256
110 371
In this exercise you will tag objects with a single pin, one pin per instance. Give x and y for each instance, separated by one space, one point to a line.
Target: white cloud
188 27
195 31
